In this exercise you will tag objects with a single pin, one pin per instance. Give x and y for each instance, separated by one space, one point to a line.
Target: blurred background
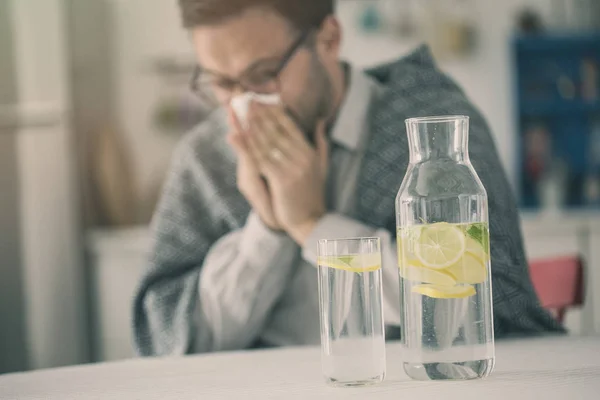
93 97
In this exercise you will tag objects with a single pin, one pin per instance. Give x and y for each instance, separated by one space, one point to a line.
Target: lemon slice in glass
353 263
444 292
440 245
469 269
425 275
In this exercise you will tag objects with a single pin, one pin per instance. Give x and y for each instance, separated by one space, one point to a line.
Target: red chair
558 283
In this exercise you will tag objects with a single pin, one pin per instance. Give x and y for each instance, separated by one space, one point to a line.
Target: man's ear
329 37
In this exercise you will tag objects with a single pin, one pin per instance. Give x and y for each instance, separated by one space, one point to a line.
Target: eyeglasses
262 77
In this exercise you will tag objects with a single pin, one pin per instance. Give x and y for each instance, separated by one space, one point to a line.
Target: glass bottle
444 256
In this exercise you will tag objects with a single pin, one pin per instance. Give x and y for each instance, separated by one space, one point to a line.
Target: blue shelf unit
557 94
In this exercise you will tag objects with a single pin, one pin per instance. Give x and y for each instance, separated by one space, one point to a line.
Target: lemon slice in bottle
421 274
440 245
444 292
476 249
353 263
469 269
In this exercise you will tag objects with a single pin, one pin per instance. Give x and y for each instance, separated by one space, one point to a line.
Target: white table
545 368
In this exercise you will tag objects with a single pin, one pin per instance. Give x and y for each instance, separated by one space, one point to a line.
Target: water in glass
352 333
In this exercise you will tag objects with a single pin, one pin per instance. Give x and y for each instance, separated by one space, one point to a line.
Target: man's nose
233 93
237 90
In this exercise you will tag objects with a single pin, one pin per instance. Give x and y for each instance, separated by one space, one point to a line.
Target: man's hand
296 171
249 180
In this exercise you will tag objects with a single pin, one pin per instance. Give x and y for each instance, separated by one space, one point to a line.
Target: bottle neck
438 138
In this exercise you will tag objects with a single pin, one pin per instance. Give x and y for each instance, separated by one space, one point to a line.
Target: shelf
557 42
557 114
556 107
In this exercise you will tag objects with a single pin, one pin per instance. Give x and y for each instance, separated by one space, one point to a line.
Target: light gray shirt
250 269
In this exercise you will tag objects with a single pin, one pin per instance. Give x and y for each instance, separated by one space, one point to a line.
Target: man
233 262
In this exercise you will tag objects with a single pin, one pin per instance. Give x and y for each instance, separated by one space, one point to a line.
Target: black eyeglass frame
285 60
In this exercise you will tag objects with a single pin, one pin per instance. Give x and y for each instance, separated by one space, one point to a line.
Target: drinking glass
350 300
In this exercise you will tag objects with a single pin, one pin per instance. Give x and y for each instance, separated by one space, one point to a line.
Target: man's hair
303 15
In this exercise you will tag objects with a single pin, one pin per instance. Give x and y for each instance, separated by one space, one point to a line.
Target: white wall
143 31
147 29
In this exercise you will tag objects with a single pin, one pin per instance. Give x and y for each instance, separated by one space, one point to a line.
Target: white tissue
241 104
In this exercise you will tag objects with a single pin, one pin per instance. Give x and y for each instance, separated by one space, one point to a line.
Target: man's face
256 42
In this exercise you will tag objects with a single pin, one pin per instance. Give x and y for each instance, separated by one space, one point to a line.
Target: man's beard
316 102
